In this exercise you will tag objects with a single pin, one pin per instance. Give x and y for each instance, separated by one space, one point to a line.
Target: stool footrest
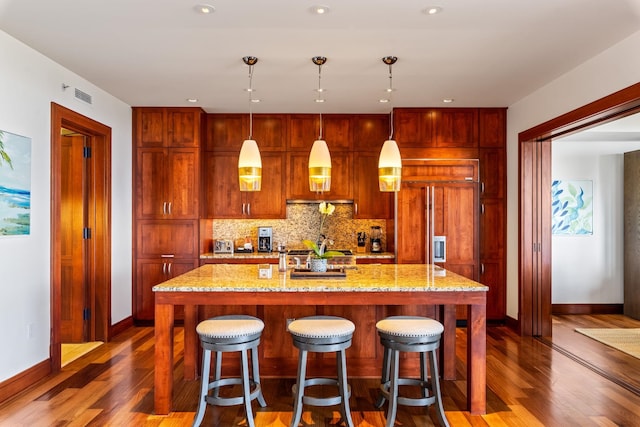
321 401
231 400
410 401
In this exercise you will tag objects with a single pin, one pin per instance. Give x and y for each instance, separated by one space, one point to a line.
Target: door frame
100 135
534 226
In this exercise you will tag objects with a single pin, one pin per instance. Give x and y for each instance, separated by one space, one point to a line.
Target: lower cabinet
150 272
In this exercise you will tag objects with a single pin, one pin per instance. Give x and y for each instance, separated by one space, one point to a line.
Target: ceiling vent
83 96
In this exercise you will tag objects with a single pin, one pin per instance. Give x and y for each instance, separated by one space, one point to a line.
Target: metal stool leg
435 384
246 388
299 389
256 375
218 372
385 376
393 388
204 388
341 358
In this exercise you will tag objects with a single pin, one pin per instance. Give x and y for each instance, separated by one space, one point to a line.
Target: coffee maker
376 239
265 239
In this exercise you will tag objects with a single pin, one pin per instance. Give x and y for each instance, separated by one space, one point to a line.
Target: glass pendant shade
389 167
250 166
319 167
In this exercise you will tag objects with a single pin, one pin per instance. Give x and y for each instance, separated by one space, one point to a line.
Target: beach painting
15 184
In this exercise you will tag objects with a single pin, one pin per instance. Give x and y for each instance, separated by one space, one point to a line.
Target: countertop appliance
223 246
376 239
265 239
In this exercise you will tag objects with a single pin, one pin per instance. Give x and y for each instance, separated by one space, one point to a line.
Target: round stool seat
321 329
230 328
408 327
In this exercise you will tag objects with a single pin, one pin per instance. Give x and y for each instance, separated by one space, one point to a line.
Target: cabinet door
224 199
413 127
150 272
298 177
161 238
226 132
149 127
455 127
271 132
182 183
492 127
270 201
411 224
370 131
305 128
492 225
492 172
492 274
150 198
183 127
369 201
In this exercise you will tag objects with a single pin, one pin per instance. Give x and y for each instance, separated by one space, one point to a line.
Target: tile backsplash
303 222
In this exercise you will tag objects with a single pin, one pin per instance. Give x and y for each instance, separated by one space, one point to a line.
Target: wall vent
83 96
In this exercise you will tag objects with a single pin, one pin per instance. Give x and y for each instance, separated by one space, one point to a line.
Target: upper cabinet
305 129
436 127
167 127
341 177
370 131
226 132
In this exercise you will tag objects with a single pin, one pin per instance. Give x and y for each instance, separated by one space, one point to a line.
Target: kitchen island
404 285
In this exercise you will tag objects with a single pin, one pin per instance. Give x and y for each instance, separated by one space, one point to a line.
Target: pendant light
249 161
319 157
390 162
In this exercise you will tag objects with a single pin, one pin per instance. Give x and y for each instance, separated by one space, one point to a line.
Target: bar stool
415 335
229 334
322 334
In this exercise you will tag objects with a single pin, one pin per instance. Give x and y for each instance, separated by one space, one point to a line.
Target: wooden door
222 191
150 178
632 234
181 187
369 201
269 202
73 212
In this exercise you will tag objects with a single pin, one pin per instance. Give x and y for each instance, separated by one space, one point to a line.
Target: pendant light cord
391 101
250 101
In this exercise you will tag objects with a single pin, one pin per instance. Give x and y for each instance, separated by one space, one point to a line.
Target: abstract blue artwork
572 207
15 184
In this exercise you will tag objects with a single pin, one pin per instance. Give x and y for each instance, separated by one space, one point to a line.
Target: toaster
223 246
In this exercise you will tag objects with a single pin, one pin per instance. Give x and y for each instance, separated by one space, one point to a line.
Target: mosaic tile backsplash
303 222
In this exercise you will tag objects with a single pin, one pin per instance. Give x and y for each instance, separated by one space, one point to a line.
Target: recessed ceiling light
192 100
319 10
432 10
204 9
319 100
384 101
447 100
255 100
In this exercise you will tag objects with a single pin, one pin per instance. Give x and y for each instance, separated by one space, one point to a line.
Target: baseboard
587 308
120 327
14 385
513 324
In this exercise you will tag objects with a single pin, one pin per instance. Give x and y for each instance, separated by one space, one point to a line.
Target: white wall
29 82
588 269
614 69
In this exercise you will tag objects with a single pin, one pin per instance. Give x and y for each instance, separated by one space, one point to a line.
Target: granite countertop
274 255
366 278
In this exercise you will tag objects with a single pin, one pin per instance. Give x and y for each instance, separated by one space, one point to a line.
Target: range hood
314 201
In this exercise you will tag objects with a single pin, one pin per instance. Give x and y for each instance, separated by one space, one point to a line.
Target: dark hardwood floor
531 382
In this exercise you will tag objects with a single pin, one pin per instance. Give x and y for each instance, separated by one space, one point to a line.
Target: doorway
535 201
80 230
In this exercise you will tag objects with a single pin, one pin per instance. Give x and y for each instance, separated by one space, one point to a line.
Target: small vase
318 265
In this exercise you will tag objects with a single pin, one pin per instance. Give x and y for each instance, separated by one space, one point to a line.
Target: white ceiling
161 52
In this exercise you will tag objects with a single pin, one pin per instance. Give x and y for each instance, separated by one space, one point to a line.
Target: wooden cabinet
368 201
436 127
341 177
150 272
226 132
167 184
167 127
370 131
223 198
492 155
166 198
305 128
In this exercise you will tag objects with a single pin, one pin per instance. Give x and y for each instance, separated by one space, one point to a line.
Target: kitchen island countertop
365 278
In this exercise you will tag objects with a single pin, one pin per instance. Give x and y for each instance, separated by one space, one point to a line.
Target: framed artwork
572 207
15 184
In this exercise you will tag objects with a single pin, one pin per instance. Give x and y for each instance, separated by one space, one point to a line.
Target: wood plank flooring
530 383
